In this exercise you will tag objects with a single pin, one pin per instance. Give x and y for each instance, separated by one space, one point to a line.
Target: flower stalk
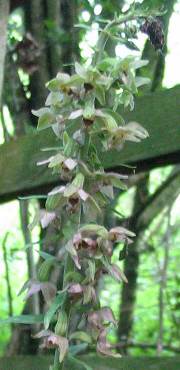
82 110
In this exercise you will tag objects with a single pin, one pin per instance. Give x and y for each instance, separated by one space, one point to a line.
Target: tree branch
169 190
132 344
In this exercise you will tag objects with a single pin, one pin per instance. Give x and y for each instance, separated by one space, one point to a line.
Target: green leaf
108 191
46 255
54 85
44 269
82 25
56 160
40 112
23 319
74 80
80 70
130 44
73 276
54 98
89 110
110 122
100 94
91 229
70 190
140 81
116 116
92 201
57 303
46 120
33 197
68 144
90 272
65 138
117 183
127 99
139 63
80 364
107 63
54 201
79 181
77 348
81 335
114 270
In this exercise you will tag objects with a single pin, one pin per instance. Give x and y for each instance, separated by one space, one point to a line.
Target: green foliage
56 304
23 319
126 363
79 111
76 109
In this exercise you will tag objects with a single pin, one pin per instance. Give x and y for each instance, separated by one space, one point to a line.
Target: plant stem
104 35
85 149
57 365
68 267
7 275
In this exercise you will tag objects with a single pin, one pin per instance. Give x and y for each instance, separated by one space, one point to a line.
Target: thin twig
29 251
7 136
163 279
7 275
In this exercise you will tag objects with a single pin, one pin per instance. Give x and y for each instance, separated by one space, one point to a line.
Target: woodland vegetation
38 39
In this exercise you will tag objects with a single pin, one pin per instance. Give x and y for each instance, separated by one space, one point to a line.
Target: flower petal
75 288
58 189
104 347
46 218
83 195
70 163
76 114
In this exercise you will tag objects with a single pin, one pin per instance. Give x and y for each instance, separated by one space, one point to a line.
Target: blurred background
41 41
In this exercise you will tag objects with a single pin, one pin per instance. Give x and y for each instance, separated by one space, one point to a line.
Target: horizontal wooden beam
159 113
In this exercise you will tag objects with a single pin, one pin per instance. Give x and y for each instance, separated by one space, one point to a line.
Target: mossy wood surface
158 112
97 363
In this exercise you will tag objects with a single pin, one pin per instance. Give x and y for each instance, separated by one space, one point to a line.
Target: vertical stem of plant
57 365
84 150
104 35
163 280
24 205
7 276
69 198
68 266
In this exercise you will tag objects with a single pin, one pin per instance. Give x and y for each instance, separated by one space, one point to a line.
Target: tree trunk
70 47
49 62
15 98
131 264
35 24
4 12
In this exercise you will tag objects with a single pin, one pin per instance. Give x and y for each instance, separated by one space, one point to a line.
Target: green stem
105 34
78 362
68 267
85 149
57 365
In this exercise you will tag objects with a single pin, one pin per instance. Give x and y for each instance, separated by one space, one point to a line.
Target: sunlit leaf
55 305
23 319
46 120
82 336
